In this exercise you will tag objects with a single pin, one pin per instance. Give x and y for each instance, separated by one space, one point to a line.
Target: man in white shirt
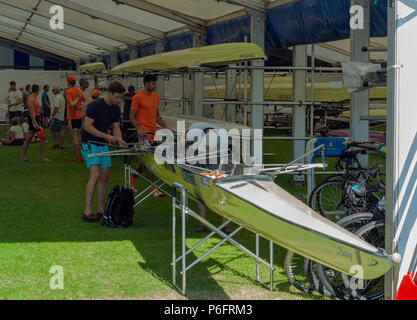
15 102
15 136
57 118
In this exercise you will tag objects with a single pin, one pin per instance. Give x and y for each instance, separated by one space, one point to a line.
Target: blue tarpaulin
179 42
147 49
229 31
315 21
296 23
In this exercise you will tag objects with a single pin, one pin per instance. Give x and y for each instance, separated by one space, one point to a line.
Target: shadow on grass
41 203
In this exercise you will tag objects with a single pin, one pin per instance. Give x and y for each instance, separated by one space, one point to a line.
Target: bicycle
347 193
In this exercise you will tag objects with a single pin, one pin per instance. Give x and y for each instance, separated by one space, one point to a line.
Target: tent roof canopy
92 31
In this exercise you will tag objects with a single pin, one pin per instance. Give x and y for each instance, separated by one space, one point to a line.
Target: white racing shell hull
261 206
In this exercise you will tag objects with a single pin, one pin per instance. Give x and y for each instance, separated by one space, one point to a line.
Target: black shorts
17 142
15 114
31 126
46 113
76 123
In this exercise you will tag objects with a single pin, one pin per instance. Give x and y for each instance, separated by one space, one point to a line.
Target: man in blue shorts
101 115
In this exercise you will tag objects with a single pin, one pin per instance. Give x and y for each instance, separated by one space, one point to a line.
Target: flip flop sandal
90 218
201 229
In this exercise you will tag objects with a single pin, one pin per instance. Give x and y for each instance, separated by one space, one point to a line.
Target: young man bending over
101 115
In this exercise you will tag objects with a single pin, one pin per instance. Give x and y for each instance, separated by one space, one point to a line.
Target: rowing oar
121 152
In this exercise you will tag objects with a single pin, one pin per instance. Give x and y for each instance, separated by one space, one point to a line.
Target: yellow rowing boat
95 67
281 89
208 56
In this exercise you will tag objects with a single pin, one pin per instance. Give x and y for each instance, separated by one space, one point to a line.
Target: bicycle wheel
310 270
333 280
313 195
293 266
374 233
327 199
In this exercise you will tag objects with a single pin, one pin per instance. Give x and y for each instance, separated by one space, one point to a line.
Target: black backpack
119 211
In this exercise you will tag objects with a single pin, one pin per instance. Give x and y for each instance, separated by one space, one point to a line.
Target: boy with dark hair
101 115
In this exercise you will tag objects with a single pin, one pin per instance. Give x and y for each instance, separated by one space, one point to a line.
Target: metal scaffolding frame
182 205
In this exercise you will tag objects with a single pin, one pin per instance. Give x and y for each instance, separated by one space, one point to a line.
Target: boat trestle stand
145 194
182 205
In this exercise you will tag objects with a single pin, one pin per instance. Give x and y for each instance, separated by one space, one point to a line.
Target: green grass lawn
41 226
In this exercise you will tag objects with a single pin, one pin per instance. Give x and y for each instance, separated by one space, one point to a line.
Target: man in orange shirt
75 100
144 115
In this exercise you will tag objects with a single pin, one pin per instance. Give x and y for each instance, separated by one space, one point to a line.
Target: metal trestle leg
182 205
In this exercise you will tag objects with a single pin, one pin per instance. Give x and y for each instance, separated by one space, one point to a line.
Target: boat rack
182 205
145 194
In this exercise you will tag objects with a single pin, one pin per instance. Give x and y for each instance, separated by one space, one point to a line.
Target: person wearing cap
34 120
57 118
101 115
75 99
95 94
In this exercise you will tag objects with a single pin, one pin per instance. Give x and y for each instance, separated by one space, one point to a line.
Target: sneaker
78 159
157 194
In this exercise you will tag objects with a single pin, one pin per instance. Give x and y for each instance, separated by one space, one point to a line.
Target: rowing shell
258 204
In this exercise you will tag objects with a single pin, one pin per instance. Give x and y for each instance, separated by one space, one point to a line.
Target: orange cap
95 93
71 79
